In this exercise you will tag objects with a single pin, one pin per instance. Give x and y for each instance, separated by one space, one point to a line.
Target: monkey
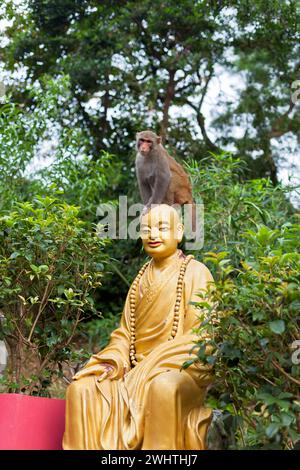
160 178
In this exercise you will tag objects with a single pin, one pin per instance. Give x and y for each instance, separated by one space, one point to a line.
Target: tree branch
201 122
169 96
277 130
199 116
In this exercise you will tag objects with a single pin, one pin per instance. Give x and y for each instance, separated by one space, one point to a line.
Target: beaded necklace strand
132 297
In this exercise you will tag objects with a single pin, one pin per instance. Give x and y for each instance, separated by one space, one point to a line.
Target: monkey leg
169 198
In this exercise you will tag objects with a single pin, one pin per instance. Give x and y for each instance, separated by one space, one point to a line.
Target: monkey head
147 142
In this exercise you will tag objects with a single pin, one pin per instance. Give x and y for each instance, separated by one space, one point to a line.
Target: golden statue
133 394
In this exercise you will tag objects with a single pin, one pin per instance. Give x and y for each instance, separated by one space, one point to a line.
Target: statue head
161 231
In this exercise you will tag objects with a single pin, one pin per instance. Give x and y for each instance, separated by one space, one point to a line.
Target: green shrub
253 309
50 263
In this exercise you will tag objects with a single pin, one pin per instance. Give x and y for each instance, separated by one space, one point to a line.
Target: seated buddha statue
134 394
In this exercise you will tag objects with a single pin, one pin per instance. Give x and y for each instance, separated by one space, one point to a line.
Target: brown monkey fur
161 179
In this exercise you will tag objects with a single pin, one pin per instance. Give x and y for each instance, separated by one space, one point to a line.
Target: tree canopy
153 64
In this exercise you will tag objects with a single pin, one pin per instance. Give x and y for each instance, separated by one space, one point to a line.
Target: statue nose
154 233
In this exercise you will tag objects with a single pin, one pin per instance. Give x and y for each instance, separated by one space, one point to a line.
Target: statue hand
103 370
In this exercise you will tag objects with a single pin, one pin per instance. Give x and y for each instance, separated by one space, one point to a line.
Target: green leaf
211 359
286 418
61 289
187 364
293 434
277 326
267 398
272 429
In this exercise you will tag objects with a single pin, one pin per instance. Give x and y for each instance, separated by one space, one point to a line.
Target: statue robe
155 405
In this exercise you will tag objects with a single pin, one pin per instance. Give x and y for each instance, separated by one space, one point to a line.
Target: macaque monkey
161 179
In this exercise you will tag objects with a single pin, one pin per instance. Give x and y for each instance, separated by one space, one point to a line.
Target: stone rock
221 433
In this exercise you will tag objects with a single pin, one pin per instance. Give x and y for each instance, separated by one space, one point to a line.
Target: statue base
31 423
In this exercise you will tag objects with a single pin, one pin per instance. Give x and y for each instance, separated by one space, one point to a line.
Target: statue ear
158 140
180 230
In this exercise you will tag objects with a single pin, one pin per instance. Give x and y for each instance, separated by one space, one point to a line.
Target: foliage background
81 78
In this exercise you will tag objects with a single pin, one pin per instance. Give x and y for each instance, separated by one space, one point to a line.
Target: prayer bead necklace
132 297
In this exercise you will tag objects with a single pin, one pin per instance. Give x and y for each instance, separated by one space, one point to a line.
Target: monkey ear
158 140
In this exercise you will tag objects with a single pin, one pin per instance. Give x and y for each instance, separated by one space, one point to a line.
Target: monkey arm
144 187
162 181
145 191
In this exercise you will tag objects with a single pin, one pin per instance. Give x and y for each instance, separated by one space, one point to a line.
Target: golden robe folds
155 405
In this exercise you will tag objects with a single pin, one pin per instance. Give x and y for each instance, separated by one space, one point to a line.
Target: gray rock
221 433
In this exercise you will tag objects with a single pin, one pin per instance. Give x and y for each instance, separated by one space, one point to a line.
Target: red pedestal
31 423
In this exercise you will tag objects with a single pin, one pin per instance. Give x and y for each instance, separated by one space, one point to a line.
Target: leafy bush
50 263
233 204
253 309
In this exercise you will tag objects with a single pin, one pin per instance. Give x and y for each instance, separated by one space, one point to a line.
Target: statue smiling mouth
154 244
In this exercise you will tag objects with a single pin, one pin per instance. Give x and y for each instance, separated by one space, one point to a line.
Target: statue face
161 231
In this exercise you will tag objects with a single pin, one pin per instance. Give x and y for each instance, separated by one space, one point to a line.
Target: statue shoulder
196 269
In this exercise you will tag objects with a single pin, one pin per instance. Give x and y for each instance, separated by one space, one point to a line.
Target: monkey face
145 146
147 142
